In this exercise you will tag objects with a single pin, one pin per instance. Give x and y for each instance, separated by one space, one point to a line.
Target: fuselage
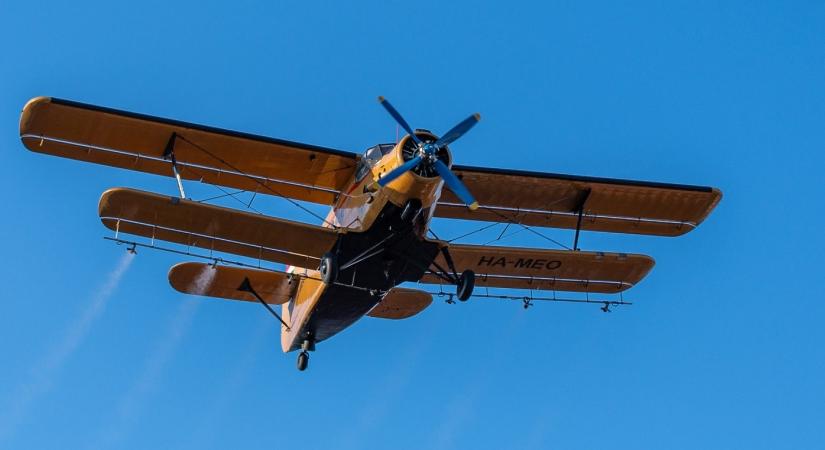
386 229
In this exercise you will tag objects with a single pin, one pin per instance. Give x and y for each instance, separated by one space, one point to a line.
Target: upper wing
553 200
138 142
215 228
557 270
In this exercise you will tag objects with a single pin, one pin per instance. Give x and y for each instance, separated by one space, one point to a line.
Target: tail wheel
303 361
328 268
466 283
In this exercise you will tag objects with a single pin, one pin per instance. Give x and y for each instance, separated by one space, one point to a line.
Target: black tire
466 283
303 361
328 268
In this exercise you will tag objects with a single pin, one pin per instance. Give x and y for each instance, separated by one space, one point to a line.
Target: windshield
370 158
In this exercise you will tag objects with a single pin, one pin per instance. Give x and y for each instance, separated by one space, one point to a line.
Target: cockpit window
371 158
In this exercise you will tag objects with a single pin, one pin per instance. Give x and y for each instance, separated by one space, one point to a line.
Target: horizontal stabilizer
223 282
401 303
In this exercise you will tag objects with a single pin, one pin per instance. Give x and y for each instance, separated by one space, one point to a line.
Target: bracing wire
530 229
233 195
258 182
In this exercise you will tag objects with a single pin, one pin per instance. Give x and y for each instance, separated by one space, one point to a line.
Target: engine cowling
410 149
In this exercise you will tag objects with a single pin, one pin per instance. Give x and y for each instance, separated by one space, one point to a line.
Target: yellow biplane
375 236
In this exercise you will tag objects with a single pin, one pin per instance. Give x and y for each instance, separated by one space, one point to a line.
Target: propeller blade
397 116
398 171
458 130
455 185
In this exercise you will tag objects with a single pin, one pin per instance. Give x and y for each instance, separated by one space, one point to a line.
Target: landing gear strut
410 211
465 285
303 358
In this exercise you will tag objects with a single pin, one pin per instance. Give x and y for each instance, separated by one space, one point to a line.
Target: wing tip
173 279
28 112
716 198
107 197
36 101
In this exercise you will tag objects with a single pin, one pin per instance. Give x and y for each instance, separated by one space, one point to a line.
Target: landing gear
464 283
328 268
411 210
464 287
303 360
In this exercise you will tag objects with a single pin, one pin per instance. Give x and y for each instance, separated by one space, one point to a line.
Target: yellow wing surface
215 228
557 270
554 200
195 278
317 174
212 155
401 303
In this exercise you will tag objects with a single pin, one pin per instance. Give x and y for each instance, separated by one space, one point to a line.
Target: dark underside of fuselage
371 263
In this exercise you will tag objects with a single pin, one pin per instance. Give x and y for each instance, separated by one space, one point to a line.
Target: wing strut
246 286
579 220
445 250
169 153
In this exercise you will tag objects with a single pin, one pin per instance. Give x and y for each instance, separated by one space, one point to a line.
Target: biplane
375 237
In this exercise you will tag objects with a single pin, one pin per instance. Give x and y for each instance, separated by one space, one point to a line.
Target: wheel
466 283
303 361
328 268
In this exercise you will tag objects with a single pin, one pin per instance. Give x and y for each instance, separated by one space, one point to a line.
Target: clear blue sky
722 349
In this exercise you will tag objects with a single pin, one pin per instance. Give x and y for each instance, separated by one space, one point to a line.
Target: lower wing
556 270
215 228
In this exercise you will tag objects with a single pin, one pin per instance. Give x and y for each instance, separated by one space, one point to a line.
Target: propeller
426 154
